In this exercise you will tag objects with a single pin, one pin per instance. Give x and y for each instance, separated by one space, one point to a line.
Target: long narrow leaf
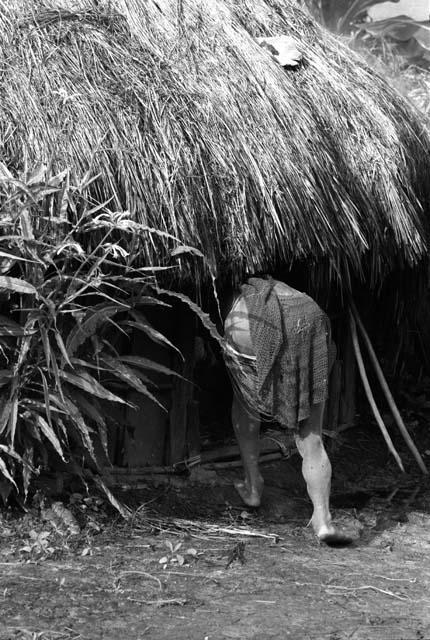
204 317
5 174
56 373
46 397
86 363
62 428
90 408
26 226
83 380
89 326
93 411
11 452
28 467
17 285
62 347
64 198
5 414
29 403
11 426
37 175
179 251
30 427
81 426
46 345
145 363
143 325
9 327
50 434
5 471
150 300
121 371
25 343
11 256
123 509
142 376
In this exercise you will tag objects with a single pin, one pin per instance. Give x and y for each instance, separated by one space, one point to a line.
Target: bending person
278 351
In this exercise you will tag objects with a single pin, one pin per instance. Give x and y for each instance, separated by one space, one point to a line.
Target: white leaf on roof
283 48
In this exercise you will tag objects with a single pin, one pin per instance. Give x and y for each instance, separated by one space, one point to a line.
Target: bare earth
222 582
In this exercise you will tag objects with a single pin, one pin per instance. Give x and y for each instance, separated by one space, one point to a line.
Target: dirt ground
192 564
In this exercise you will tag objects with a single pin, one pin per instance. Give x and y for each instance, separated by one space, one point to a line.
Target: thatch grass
197 131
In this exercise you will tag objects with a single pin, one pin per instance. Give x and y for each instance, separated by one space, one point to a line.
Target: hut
316 172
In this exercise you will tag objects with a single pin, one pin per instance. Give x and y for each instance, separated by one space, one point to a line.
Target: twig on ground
396 579
367 586
140 573
327 588
250 533
16 575
205 530
192 575
161 603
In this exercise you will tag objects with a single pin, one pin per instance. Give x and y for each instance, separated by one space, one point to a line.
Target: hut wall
139 436
183 422
146 434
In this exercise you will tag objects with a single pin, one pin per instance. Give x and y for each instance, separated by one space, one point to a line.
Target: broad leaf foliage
70 300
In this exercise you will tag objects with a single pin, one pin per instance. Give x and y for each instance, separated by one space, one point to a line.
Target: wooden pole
391 402
369 393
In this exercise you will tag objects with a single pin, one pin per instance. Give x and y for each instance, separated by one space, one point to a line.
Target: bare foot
251 495
332 537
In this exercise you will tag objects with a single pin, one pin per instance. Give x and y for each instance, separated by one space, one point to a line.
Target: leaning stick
391 402
369 393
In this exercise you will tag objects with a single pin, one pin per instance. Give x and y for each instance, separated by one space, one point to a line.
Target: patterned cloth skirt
292 389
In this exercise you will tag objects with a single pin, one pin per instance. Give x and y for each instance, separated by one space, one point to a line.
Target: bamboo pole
369 393
232 464
391 402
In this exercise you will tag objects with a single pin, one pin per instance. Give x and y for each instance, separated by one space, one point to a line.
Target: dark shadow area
370 497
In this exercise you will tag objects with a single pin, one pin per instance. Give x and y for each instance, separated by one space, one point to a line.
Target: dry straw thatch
197 131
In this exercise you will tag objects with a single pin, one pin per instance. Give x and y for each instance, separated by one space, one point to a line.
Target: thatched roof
197 131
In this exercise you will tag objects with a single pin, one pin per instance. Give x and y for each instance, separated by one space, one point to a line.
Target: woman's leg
247 430
316 469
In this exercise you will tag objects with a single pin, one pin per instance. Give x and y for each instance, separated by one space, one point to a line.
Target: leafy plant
406 36
343 16
71 293
174 557
38 544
